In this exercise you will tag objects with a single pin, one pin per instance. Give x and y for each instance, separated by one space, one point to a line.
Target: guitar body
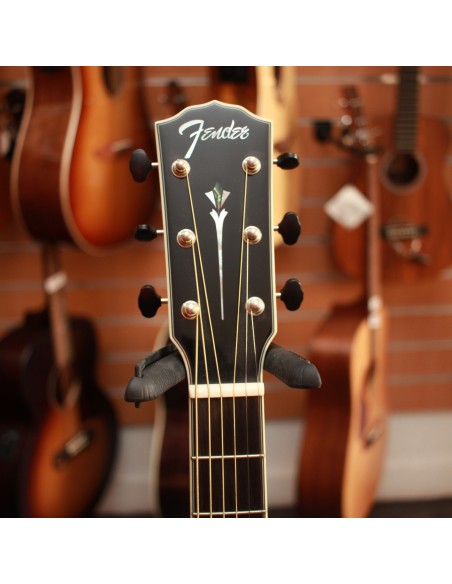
70 176
415 195
345 435
54 460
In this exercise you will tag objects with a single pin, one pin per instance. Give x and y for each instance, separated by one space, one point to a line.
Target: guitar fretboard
407 106
227 453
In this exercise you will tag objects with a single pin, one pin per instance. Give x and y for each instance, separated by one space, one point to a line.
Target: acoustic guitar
416 207
70 177
169 459
215 166
57 429
345 433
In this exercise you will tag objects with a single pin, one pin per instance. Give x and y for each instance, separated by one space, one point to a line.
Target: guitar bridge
73 447
405 240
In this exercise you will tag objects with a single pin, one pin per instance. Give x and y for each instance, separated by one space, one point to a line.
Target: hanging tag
349 207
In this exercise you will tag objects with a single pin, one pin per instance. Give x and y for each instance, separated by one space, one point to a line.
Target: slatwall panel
105 290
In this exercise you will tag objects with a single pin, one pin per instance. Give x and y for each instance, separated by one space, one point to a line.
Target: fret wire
227 456
232 513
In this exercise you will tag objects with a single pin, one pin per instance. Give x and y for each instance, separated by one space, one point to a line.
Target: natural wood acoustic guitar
415 198
70 180
346 422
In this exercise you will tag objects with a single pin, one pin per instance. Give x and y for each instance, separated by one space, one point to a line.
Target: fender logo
231 132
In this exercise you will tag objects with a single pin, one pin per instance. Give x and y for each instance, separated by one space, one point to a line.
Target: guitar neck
227 457
407 110
373 276
54 284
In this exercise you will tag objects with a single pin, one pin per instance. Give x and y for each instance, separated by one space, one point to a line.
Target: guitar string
246 371
196 386
259 398
205 360
237 337
209 422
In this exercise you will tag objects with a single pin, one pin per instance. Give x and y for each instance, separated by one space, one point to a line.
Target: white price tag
349 207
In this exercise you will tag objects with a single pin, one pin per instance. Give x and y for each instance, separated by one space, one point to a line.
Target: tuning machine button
291 294
146 232
149 301
287 161
289 228
140 165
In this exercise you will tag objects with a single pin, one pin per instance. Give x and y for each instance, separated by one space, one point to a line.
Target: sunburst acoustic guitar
79 127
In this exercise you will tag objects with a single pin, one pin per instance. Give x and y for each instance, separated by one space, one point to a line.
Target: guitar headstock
356 134
215 165
215 176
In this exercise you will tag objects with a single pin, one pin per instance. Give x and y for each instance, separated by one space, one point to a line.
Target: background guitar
416 208
345 436
57 429
80 125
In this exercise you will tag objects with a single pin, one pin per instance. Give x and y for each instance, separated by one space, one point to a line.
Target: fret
228 457
257 513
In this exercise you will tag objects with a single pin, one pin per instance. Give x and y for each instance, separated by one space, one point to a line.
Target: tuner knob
146 232
139 165
291 294
289 228
149 301
287 161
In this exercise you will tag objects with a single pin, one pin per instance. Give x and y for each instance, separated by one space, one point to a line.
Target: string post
255 306
252 235
186 238
251 165
180 168
190 309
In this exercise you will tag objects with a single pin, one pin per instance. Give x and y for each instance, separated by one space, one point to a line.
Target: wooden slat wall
105 290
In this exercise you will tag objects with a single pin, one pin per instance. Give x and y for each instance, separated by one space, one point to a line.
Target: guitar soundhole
403 169
113 78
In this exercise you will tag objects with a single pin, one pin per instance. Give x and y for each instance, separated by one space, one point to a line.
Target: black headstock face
209 199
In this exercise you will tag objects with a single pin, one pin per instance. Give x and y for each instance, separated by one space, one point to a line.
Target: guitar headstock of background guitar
215 163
